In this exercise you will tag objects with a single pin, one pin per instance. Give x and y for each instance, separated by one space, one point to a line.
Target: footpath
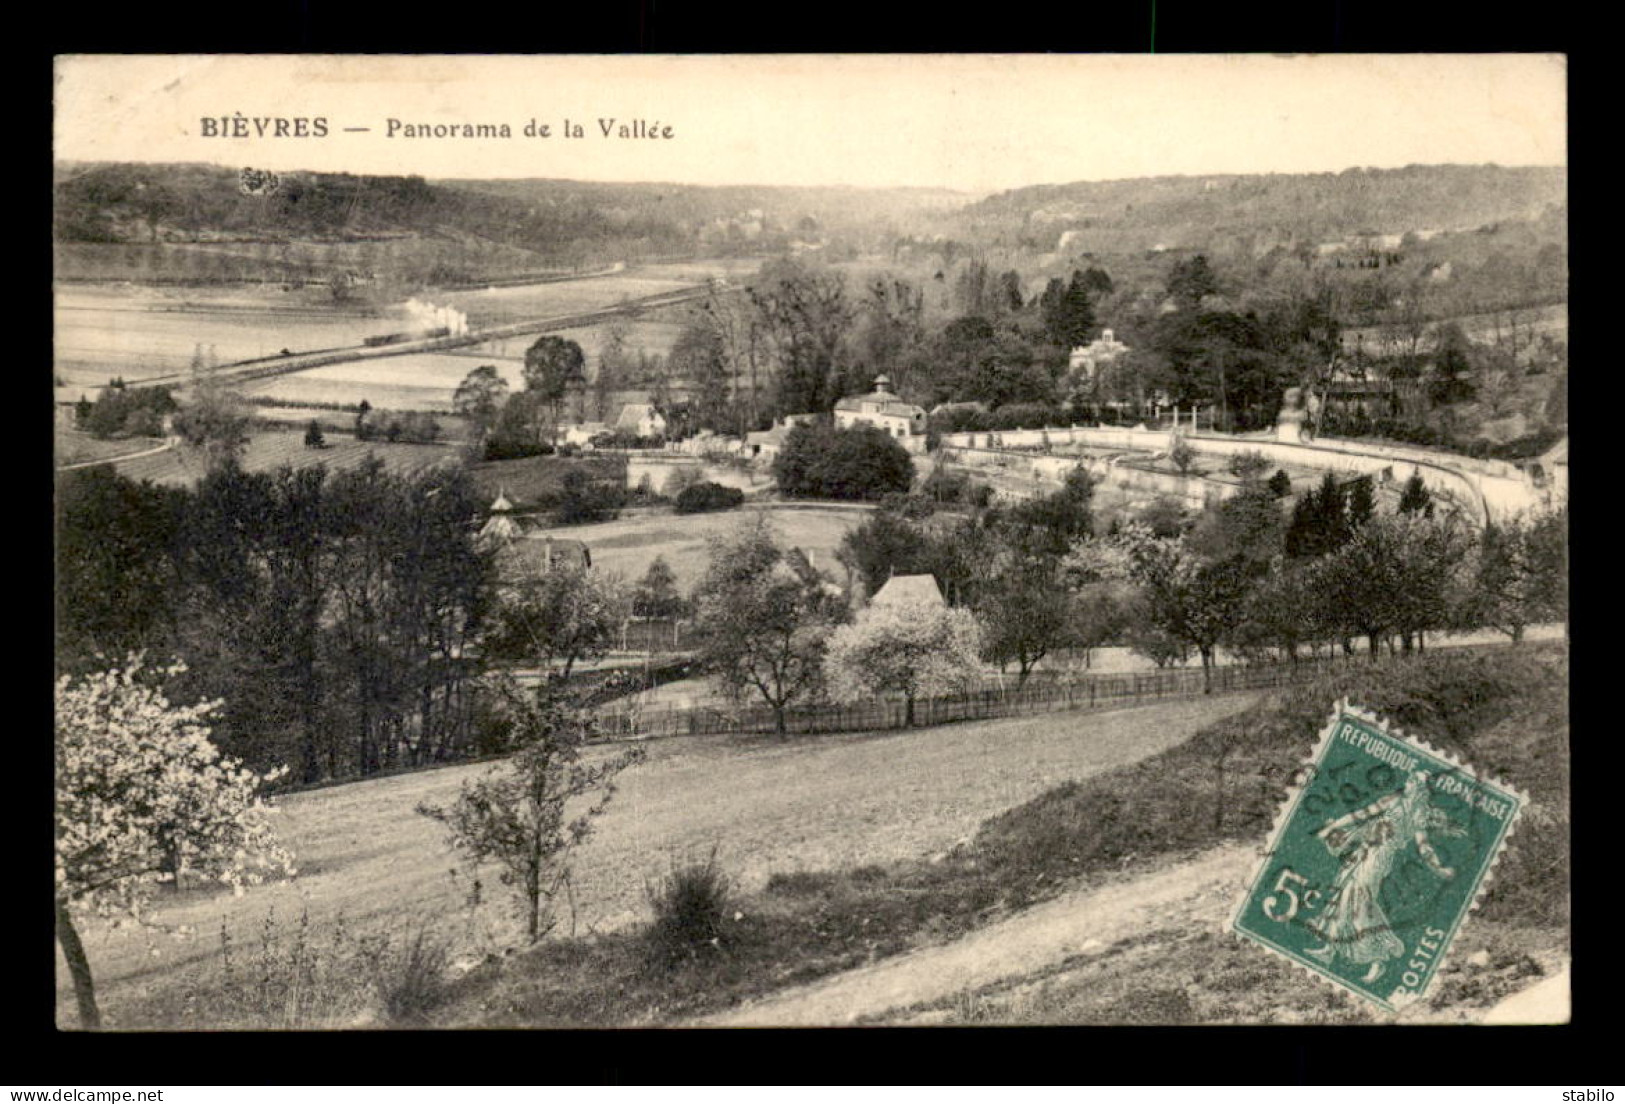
1074 934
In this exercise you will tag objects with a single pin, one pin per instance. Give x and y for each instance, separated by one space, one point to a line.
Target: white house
581 433
1087 360
764 445
883 410
642 419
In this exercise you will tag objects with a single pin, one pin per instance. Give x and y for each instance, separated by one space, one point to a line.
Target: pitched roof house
642 419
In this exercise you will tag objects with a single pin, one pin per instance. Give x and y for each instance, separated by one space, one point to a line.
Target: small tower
500 527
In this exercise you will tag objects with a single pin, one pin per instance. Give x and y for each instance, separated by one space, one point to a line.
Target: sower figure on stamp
1368 841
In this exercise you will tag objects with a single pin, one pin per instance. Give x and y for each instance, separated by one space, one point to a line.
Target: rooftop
908 590
887 402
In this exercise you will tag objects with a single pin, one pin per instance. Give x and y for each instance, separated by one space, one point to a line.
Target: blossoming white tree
910 648
144 797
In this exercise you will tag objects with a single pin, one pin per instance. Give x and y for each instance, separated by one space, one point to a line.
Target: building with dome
883 410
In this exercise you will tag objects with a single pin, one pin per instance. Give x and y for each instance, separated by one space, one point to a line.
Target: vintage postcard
677 541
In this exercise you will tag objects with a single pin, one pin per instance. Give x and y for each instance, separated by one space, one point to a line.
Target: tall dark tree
114 583
886 544
1192 281
1451 378
479 399
1010 298
697 356
1415 498
1069 312
554 365
805 315
1362 501
1320 523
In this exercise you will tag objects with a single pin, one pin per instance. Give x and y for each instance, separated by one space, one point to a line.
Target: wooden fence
622 721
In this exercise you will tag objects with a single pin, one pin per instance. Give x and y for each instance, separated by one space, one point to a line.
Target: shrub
1248 465
682 478
690 906
411 978
301 978
707 497
582 499
1182 456
863 463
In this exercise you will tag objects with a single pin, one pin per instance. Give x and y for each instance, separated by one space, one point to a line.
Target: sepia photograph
847 540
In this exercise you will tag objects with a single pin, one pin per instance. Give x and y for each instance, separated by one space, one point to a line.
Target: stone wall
1484 489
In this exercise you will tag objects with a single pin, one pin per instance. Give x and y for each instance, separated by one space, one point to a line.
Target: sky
971 123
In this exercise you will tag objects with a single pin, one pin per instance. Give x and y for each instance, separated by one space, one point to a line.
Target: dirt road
1039 939
1116 952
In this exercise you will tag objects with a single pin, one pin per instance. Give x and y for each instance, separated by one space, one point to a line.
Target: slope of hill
566 222
1207 212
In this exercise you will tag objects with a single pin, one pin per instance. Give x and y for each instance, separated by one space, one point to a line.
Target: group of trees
124 411
1247 574
1195 342
1002 563
1340 569
410 426
504 426
772 627
332 613
799 338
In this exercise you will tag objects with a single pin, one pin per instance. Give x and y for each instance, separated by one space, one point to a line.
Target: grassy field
270 449
1503 711
538 478
74 447
499 306
629 545
768 808
845 850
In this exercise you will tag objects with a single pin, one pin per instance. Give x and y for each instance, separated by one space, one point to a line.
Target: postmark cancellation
1376 859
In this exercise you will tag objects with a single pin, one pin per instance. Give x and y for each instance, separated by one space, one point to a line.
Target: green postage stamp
1378 855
